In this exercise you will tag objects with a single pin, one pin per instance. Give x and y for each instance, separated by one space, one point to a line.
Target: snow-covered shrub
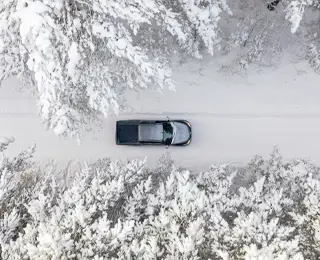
82 54
116 210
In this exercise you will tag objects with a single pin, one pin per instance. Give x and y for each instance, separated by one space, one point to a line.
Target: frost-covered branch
4 142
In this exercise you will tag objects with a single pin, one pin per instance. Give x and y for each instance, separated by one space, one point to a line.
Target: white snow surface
74 58
233 117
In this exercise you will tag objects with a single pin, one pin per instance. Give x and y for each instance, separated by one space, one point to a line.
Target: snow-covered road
233 117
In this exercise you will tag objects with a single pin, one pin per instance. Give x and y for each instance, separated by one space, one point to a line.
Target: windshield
168 133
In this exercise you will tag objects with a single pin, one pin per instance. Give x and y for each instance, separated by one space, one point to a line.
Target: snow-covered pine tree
256 35
114 210
295 10
261 37
82 54
20 180
306 10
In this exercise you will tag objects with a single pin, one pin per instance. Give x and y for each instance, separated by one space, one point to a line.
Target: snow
77 23
233 117
121 44
317 230
31 16
61 125
74 59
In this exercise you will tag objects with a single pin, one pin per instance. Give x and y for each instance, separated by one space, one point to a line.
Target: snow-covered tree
81 55
295 10
256 35
305 14
122 210
19 181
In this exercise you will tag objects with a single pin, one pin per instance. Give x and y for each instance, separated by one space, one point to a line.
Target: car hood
182 133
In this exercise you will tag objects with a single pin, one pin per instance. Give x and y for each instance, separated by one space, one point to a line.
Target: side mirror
168 118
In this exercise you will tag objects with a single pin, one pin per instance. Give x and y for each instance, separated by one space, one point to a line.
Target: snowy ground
234 117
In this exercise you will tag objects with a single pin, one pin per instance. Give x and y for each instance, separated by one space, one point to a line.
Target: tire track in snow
229 115
193 114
